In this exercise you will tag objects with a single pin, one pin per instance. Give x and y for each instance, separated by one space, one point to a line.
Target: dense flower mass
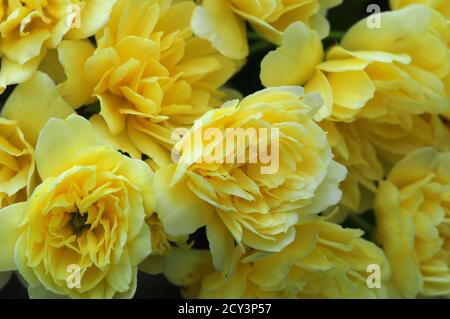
28 29
380 85
233 148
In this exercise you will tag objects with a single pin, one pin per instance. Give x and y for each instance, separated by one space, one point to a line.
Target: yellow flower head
324 261
250 171
151 74
381 84
86 218
415 30
17 164
223 21
387 96
413 212
29 28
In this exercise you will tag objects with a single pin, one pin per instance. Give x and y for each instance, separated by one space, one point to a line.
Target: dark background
247 80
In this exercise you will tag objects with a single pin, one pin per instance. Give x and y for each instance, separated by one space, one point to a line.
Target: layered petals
86 218
254 192
412 213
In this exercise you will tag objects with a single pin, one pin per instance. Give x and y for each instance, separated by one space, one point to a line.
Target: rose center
79 221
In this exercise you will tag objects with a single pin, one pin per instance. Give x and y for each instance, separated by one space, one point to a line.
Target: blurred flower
412 212
29 28
223 21
240 196
324 261
88 211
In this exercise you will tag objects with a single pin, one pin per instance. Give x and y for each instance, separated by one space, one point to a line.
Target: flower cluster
126 145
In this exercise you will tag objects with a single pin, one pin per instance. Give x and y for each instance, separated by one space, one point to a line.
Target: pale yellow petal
294 62
76 90
216 22
180 210
10 218
33 103
60 141
93 17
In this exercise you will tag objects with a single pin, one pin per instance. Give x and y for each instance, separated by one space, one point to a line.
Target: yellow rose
149 72
415 30
254 190
355 84
29 28
387 98
223 21
86 216
412 213
324 261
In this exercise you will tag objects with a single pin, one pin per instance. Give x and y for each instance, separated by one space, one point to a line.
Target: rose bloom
88 212
324 261
223 21
149 72
382 99
235 199
28 29
412 210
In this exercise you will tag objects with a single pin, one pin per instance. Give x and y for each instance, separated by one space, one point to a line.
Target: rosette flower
82 232
383 86
223 21
416 30
387 97
28 29
412 214
249 172
324 261
151 74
